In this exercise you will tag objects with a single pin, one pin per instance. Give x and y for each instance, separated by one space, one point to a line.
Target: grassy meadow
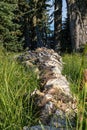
16 84
74 66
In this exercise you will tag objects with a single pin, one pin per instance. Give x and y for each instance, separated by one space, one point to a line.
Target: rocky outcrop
56 104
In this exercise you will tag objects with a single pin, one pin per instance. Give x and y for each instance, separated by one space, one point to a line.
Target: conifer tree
23 23
9 29
34 22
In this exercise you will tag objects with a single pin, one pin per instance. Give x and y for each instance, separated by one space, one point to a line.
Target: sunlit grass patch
74 66
16 84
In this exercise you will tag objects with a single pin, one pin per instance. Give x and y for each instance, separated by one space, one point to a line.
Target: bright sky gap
64 12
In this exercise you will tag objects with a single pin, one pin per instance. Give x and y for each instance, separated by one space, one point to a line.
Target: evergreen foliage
23 24
26 24
9 30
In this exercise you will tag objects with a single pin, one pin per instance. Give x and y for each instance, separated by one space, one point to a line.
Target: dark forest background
25 24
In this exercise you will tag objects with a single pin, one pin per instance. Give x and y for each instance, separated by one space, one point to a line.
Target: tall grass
16 84
73 69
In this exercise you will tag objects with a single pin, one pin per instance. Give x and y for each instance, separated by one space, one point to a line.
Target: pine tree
23 21
34 22
40 22
9 29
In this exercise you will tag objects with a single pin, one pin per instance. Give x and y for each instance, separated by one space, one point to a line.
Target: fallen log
57 105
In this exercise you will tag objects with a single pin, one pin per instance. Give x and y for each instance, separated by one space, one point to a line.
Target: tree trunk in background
24 21
38 38
57 23
26 34
77 23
